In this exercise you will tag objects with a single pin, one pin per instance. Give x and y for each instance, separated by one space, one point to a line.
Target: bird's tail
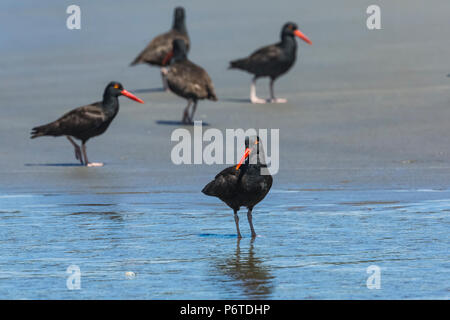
209 189
136 61
238 64
212 94
45 130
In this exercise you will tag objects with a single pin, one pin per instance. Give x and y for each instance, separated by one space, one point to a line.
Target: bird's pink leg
194 107
86 161
249 217
236 220
186 119
77 149
253 97
164 78
272 94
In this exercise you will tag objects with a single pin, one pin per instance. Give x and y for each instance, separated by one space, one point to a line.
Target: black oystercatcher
160 46
86 122
188 80
243 185
271 61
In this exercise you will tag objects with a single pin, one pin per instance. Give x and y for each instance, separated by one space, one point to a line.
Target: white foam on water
7 196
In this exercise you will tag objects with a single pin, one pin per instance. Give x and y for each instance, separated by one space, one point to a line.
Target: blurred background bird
272 61
161 45
188 80
87 121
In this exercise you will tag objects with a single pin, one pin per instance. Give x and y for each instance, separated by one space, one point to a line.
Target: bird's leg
186 119
253 97
164 78
236 220
272 94
77 149
194 107
249 217
86 161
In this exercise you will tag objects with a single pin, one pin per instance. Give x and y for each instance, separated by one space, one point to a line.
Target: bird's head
116 89
253 151
178 19
290 29
178 14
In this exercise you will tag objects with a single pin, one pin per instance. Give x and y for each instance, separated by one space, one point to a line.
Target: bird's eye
116 86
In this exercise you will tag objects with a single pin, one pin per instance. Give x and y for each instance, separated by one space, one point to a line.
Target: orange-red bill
131 96
167 58
246 154
299 34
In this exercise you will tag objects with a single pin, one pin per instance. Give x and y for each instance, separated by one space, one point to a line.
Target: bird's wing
189 78
266 54
256 183
227 182
82 119
159 47
211 92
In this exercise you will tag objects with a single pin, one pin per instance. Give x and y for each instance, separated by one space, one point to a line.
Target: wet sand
364 106
367 110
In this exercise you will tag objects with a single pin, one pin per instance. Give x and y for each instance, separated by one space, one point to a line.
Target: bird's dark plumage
161 45
87 121
82 123
243 187
188 80
271 61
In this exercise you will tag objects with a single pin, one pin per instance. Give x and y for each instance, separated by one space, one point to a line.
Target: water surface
312 244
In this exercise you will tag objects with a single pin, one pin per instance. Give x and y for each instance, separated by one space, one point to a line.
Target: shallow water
313 244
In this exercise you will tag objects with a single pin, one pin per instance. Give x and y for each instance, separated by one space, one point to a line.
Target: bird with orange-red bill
272 61
244 185
87 121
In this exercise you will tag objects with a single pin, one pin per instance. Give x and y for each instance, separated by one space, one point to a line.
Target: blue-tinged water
312 243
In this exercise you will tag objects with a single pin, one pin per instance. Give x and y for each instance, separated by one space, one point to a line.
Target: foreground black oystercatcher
161 45
188 80
86 122
243 185
271 61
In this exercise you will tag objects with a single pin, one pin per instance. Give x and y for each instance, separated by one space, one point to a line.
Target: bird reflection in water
248 271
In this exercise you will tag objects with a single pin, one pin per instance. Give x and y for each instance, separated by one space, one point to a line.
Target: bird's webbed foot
278 100
257 100
94 164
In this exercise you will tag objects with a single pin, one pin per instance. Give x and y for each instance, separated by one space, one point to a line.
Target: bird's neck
288 42
180 26
180 57
110 103
255 160
250 168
